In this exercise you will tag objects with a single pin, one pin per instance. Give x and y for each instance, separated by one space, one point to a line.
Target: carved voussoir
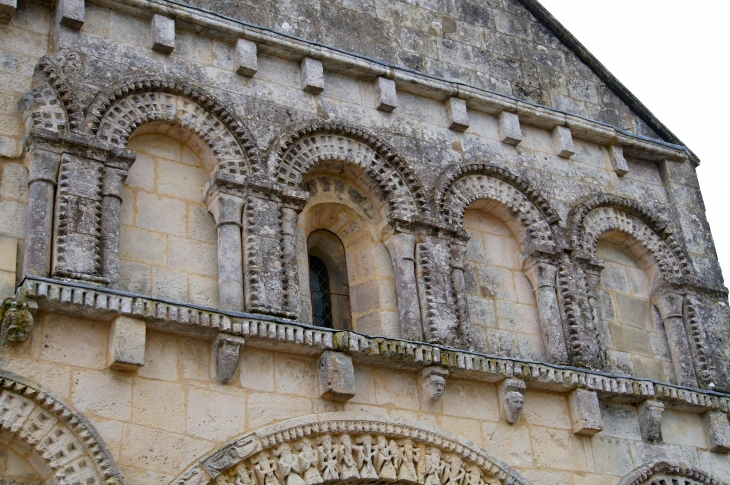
226 354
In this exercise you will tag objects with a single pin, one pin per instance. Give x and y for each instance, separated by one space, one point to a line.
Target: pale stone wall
501 299
14 468
159 419
638 340
168 237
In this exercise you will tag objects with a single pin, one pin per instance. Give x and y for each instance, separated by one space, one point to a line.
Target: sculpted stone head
510 392
433 382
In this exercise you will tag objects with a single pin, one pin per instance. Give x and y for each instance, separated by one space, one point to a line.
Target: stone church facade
275 242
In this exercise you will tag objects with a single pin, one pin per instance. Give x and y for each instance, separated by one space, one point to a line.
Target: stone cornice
407 80
289 336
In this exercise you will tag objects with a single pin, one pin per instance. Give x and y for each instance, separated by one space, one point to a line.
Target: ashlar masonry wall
476 231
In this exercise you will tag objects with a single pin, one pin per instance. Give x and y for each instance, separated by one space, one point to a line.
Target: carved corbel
512 399
16 321
717 429
585 412
336 376
650 420
226 354
433 382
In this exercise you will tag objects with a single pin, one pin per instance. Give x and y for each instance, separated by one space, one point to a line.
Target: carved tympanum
662 472
343 447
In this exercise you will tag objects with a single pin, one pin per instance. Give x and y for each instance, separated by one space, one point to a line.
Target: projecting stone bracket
336 376
585 412
717 429
226 354
650 420
16 321
512 398
127 340
433 382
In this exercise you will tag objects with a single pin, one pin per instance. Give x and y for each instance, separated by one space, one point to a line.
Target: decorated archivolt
345 447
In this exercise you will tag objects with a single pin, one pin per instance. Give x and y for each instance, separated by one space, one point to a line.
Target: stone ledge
264 331
336 60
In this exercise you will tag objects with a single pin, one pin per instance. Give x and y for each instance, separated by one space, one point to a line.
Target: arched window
328 280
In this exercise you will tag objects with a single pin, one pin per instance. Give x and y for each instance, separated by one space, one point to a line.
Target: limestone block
336 376
509 128
650 420
312 74
616 154
511 396
563 142
7 10
585 412
717 429
127 339
8 253
70 13
163 34
387 96
457 114
245 58
226 353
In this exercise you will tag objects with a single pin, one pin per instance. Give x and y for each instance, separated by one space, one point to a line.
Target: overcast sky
673 55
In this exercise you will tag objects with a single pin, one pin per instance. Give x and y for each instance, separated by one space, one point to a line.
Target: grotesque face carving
433 382
436 386
513 404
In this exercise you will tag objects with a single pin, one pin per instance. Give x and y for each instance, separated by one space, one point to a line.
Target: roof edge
564 35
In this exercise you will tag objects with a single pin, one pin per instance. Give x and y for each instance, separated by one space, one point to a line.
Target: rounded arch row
66 446
604 212
461 185
349 444
116 113
663 472
301 149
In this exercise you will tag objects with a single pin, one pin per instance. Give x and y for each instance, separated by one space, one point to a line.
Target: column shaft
402 248
43 177
542 277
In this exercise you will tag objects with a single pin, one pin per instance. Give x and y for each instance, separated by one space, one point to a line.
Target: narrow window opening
328 281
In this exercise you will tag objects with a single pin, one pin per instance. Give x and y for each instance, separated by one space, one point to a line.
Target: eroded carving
304 148
512 399
433 382
68 448
343 448
16 321
662 472
227 352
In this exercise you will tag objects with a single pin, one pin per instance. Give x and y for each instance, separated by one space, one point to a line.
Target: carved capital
541 274
226 354
226 208
669 305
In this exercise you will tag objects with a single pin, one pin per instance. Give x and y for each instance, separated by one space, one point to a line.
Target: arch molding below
353 448
668 473
62 445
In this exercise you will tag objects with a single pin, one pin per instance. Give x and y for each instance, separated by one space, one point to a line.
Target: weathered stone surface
70 13
563 141
245 60
226 353
336 376
387 97
162 34
650 420
7 10
127 342
312 75
457 114
585 412
616 154
717 429
509 128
